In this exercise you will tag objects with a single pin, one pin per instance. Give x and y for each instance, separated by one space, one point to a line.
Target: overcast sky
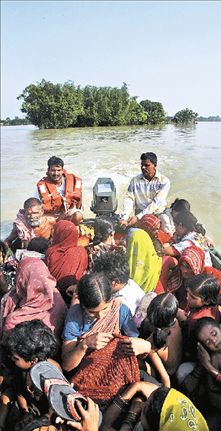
168 51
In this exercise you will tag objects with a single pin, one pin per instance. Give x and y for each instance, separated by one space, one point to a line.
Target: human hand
132 221
99 340
123 223
203 356
89 417
134 346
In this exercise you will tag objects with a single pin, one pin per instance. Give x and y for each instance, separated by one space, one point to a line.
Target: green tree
50 105
154 111
185 116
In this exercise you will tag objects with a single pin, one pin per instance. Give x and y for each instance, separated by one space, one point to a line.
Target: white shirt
131 295
146 197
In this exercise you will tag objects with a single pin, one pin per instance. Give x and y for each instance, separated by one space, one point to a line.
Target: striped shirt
146 197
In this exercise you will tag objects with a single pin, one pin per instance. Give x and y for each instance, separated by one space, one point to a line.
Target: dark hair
29 422
114 265
31 202
206 287
204 321
39 244
161 313
93 289
155 405
102 230
149 156
180 205
32 340
3 248
55 161
189 221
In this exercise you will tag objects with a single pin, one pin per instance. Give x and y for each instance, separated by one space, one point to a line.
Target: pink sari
34 297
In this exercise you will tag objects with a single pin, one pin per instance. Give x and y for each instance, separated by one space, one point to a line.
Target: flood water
189 156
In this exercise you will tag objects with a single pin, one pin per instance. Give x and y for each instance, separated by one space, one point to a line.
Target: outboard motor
104 197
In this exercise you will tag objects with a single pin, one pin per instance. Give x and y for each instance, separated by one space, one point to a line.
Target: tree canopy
154 110
185 116
49 105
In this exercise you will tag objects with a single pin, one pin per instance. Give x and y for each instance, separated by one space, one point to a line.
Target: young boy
28 343
115 266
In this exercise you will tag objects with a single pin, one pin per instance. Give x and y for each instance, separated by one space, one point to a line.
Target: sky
166 51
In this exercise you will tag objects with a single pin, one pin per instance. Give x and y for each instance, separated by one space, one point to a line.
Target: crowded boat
111 322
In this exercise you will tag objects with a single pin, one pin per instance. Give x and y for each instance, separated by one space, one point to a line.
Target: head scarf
149 223
194 256
178 413
34 297
66 260
145 264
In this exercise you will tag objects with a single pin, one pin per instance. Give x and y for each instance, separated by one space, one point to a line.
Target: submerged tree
50 105
185 116
154 110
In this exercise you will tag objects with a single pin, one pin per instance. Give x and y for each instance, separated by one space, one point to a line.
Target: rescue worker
59 191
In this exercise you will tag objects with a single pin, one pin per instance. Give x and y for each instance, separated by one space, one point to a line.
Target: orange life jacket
53 202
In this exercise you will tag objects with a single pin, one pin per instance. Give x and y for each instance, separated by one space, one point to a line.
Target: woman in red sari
67 261
191 263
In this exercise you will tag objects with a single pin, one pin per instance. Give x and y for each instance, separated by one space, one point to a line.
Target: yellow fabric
145 264
179 414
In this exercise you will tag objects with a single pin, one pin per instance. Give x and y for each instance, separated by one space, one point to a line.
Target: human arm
5 401
127 324
135 346
74 351
205 360
159 367
169 250
122 403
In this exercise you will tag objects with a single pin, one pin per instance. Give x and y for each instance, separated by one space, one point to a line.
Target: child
167 217
162 329
204 382
202 301
28 343
115 266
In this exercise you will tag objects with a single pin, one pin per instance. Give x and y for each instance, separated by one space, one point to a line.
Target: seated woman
34 296
145 264
188 233
151 224
146 407
103 239
93 345
169 214
191 263
67 261
162 329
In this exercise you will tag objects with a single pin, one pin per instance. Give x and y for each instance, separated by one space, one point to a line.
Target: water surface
189 156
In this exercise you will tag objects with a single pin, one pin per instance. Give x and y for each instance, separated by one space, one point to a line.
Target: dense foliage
185 116
154 110
50 105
